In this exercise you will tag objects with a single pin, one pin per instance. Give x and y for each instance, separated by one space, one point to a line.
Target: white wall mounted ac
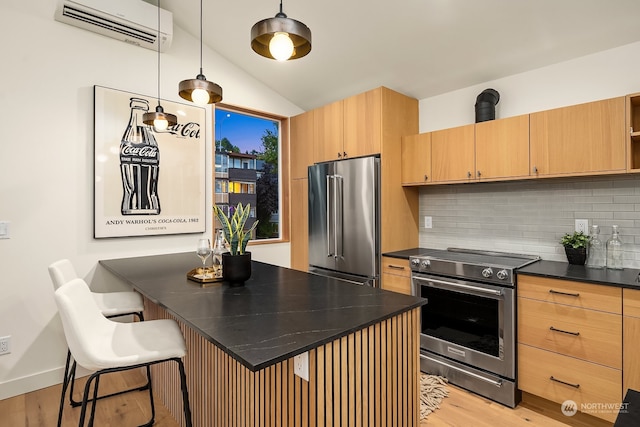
132 21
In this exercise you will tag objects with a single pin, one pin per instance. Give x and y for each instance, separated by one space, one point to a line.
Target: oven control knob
415 263
502 274
487 272
425 263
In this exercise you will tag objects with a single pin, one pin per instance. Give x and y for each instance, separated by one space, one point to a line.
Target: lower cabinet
570 343
631 340
299 224
396 275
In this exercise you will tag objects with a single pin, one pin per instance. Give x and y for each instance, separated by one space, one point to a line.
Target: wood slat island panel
366 378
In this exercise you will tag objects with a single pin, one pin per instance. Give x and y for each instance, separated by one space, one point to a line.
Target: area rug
432 390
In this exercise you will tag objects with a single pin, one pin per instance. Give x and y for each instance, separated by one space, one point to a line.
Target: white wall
46 168
531 216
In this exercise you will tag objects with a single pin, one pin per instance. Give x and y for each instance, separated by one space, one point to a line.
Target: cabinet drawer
392 282
592 383
590 335
631 302
577 294
397 266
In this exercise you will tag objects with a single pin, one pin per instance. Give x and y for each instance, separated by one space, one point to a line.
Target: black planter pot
236 269
576 256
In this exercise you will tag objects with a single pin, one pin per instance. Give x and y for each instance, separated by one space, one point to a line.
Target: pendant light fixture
159 119
200 90
281 38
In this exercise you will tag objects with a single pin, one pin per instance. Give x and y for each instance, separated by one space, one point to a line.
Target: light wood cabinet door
453 154
302 143
558 378
396 275
589 335
362 124
399 284
630 340
416 159
300 224
502 148
581 139
328 132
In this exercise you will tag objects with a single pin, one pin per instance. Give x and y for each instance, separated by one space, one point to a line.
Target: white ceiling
418 47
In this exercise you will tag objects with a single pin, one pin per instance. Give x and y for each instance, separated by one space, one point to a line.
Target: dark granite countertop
626 278
404 254
278 314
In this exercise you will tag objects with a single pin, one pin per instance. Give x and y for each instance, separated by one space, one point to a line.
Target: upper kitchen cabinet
453 154
416 159
362 123
328 132
633 127
585 139
302 143
502 148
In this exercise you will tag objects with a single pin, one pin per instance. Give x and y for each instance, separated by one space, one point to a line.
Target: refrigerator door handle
339 216
329 204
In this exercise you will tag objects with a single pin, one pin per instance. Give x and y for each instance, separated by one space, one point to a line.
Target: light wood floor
459 409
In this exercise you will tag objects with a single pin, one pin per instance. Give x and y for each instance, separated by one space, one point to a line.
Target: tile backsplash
531 216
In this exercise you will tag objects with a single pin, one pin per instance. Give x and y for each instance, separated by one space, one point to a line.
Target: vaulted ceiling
418 47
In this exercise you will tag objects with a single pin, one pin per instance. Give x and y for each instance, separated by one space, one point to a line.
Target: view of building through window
246 170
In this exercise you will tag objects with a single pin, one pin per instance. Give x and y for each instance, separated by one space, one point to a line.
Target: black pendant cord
158 41
200 36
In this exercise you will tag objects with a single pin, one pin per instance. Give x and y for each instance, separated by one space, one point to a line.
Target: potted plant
236 264
575 247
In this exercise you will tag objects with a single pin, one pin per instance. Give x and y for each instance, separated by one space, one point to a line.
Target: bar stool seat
111 304
105 346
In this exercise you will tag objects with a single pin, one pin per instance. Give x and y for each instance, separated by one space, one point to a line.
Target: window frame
283 168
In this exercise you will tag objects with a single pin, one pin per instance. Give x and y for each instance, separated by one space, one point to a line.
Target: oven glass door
468 314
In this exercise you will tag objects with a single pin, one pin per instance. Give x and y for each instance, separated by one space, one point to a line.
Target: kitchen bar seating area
436 224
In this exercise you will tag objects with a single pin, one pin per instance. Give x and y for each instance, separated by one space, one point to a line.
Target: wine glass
203 251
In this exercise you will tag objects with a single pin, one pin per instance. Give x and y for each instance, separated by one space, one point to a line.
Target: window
247 167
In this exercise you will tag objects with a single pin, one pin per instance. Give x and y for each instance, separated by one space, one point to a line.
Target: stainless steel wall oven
468 327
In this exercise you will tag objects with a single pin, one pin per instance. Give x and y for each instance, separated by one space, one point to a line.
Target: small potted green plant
236 264
575 247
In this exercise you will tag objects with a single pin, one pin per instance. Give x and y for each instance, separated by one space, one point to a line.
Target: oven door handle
464 371
450 285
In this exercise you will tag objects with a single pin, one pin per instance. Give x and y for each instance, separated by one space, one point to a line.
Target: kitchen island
362 345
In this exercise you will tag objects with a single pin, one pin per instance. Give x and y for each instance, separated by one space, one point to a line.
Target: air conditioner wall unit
132 21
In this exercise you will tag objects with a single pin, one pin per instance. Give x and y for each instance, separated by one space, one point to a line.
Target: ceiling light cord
200 90
158 52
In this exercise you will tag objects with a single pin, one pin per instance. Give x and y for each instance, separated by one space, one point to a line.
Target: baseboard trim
35 382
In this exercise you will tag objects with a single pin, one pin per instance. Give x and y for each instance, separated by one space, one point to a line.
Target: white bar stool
105 346
111 304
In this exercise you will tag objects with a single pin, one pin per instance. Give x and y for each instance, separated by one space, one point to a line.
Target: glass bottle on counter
614 250
218 250
597 250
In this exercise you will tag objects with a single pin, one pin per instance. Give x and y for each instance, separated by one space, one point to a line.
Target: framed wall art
147 182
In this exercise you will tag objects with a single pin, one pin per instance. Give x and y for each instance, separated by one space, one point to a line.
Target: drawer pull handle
397 267
551 291
551 328
563 382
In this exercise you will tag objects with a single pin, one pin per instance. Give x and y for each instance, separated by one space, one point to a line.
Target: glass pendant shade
281 38
200 90
159 119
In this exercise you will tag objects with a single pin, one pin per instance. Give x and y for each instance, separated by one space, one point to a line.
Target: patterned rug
432 390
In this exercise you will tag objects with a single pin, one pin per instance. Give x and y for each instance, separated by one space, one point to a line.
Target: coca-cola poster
148 181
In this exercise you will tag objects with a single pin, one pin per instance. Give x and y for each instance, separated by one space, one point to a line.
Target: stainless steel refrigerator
344 219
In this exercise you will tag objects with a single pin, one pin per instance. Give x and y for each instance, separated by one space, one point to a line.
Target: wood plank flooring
460 409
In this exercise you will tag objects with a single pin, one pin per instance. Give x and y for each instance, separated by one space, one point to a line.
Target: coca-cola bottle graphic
139 164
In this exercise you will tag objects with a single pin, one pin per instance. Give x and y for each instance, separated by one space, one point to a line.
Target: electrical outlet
5 345
582 225
428 222
301 365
